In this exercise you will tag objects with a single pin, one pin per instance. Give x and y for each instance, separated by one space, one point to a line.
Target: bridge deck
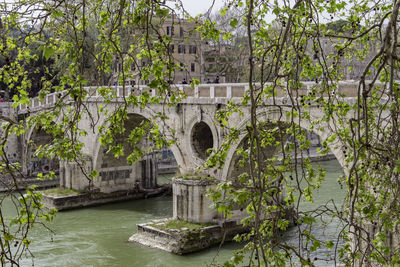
207 93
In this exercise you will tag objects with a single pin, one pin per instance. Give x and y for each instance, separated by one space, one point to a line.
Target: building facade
194 56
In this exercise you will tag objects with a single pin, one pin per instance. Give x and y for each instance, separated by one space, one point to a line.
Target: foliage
83 39
284 46
337 26
287 51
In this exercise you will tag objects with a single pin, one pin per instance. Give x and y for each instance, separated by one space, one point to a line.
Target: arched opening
238 163
167 166
324 175
201 140
291 145
139 164
108 159
40 162
313 150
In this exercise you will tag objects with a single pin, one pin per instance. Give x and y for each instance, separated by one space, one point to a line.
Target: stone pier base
194 226
157 234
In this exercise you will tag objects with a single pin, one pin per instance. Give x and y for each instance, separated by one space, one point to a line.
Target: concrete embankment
86 199
22 184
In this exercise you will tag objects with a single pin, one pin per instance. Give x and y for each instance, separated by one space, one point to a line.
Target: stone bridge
191 124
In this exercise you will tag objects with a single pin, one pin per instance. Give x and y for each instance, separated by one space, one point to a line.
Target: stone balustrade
201 91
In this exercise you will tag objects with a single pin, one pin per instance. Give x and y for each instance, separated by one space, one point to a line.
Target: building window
171 48
192 49
170 30
181 49
192 67
181 65
181 32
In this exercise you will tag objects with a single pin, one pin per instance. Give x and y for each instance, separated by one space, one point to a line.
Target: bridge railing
213 91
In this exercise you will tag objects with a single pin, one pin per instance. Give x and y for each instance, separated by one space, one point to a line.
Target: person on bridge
216 79
184 81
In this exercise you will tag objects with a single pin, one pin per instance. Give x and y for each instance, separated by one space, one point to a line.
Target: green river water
98 236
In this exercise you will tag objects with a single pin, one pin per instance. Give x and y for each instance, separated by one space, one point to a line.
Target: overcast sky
195 7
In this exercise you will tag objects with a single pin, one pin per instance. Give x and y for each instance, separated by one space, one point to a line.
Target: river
98 236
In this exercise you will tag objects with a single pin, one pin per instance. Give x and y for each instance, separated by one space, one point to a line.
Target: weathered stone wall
190 201
71 175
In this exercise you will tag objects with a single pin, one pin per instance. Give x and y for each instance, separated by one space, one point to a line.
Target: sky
195 7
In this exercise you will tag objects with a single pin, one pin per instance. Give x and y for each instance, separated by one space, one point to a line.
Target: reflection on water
98 236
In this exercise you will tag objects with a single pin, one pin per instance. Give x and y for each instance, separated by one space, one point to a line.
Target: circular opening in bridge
202 139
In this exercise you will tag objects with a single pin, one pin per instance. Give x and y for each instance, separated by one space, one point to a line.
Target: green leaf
48 52
329 244
233 23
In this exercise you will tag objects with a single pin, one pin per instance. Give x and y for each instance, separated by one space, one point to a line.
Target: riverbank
22 184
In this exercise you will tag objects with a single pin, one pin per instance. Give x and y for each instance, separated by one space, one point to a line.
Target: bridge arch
135 117
274 115
147 115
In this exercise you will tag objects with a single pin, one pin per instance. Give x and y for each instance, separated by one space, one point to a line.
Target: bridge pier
24 156
71 175
191 203
149 172
143 174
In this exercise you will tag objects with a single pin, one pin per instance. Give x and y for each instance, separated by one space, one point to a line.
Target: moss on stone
195 177
61 192
179 225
